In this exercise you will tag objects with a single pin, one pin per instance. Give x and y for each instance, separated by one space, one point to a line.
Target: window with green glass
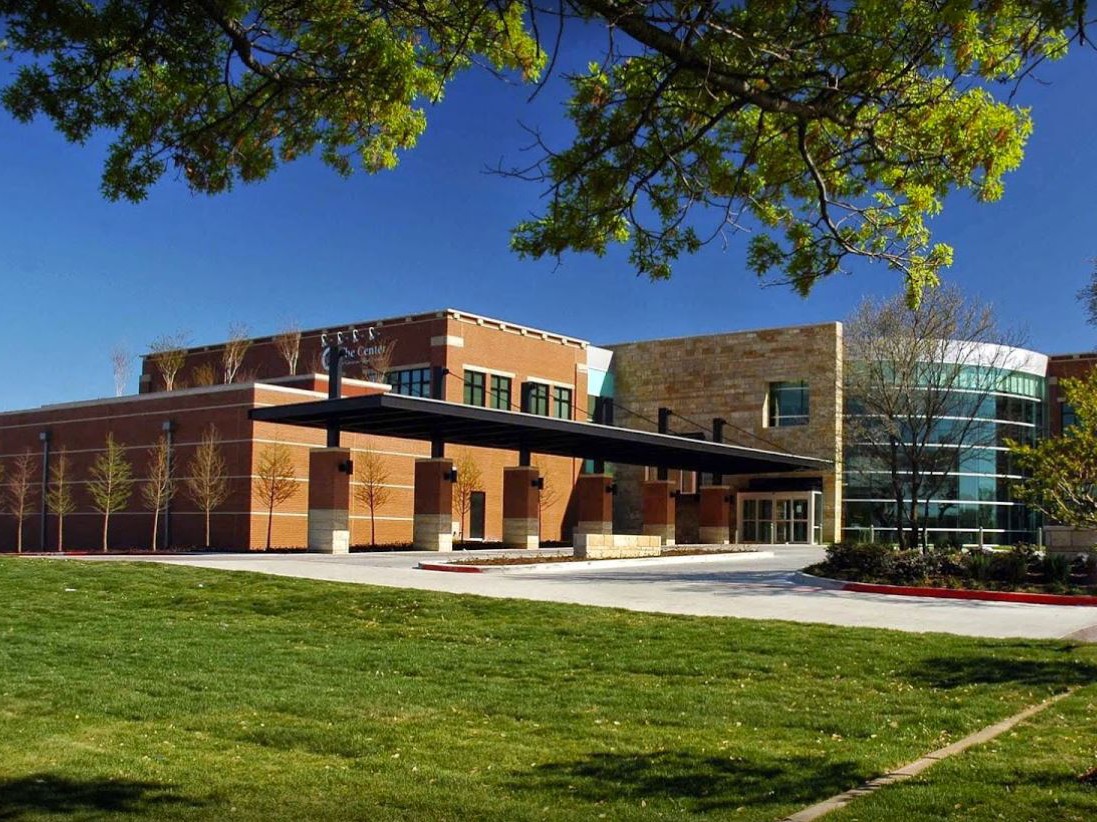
475 382
500 392
788 403
1070 416
561 402
535 398
415 382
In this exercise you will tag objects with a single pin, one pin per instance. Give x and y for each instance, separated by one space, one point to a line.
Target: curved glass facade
977 492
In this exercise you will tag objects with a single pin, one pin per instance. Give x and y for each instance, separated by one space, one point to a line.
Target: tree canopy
832 131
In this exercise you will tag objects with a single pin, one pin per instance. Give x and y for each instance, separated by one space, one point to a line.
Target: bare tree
207 482
469 479
547 497
159 487
168 355
372 491
121 361
288 343
275 480
232 357
917 396
111 482
378 362
203 374
59 497
19 492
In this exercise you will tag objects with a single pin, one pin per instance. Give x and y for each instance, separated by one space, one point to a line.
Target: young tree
275 480
833 129
19 493
159 487
232 357
168 354
1061 472
59 498
377 365
111 482
546 499
469 479
203 374
121 361
916 388
373 490
207 482
288 343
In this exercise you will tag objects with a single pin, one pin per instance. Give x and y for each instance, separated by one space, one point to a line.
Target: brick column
594 503
433 520
714 516
329 500
521 505
658 509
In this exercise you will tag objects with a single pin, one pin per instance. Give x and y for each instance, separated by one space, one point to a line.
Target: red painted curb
964 593
456 569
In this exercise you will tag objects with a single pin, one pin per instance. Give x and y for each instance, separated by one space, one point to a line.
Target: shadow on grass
697 782
30 796
956 672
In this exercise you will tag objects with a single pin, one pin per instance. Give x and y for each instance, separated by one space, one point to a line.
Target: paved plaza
763 587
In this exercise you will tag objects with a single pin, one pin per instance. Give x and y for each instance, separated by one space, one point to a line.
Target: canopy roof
419 418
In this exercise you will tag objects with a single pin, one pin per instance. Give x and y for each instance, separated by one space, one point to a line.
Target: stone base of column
714 515
664 532
328 532
594 496
329 501
432 532
596 526
659 509
520 532
713 535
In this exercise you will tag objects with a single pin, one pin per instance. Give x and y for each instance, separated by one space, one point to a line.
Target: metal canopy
418 418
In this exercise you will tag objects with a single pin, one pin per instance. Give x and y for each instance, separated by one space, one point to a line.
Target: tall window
500 392
536 398
1070 416
561 403
788 403
415 382
474 387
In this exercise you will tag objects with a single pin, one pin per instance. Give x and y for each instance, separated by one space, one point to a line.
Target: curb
593 564
965 593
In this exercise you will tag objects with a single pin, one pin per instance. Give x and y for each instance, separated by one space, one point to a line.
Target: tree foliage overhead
831 130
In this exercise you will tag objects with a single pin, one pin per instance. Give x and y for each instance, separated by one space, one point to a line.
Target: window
1070 416
415 382
500 392
536 398
561 403
474 387
788 403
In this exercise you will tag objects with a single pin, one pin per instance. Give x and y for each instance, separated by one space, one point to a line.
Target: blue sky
81 275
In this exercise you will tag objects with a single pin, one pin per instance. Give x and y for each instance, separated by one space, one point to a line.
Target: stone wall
728 376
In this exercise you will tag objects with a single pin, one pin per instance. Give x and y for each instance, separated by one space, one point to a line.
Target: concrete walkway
762 588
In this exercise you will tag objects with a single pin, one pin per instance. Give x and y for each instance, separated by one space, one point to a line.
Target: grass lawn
144 691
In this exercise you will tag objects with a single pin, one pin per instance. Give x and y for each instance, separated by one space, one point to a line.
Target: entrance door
477 503
781 518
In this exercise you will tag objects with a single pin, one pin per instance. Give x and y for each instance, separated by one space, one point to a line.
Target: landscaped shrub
863 559
977 565
1057 569
913 567
1013 566
1091 567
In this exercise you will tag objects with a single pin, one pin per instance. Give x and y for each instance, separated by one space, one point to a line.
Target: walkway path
757 588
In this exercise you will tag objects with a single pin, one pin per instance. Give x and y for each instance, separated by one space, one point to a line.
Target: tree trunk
106 521
60 533
372 529
270 521
207 527
19 536
155 527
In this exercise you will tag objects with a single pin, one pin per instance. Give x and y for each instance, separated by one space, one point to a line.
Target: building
772 397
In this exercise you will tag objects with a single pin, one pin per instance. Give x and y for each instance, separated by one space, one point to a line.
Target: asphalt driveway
734 586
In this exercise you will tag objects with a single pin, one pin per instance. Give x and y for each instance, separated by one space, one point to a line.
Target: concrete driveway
733 586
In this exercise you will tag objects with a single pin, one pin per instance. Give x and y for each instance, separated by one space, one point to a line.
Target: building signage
353 347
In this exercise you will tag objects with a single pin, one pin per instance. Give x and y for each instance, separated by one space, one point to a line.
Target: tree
547 497
1061 472
207 482
121 361
19 493
59 498
916 386
203 374
275 480
378 362
372 491
168 354
232 357
469 479
831 130
288 343
159 487
111 482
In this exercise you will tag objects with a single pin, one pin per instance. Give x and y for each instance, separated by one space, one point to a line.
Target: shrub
1013 566
1057 569
864 559
977 566
908 567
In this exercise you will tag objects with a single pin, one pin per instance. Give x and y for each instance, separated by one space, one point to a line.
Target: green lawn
144 691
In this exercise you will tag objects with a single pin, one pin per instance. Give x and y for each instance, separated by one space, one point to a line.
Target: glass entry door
793 517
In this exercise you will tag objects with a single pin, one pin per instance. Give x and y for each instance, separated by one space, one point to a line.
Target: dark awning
418 418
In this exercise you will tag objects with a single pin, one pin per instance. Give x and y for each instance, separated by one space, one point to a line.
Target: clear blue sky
81 275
